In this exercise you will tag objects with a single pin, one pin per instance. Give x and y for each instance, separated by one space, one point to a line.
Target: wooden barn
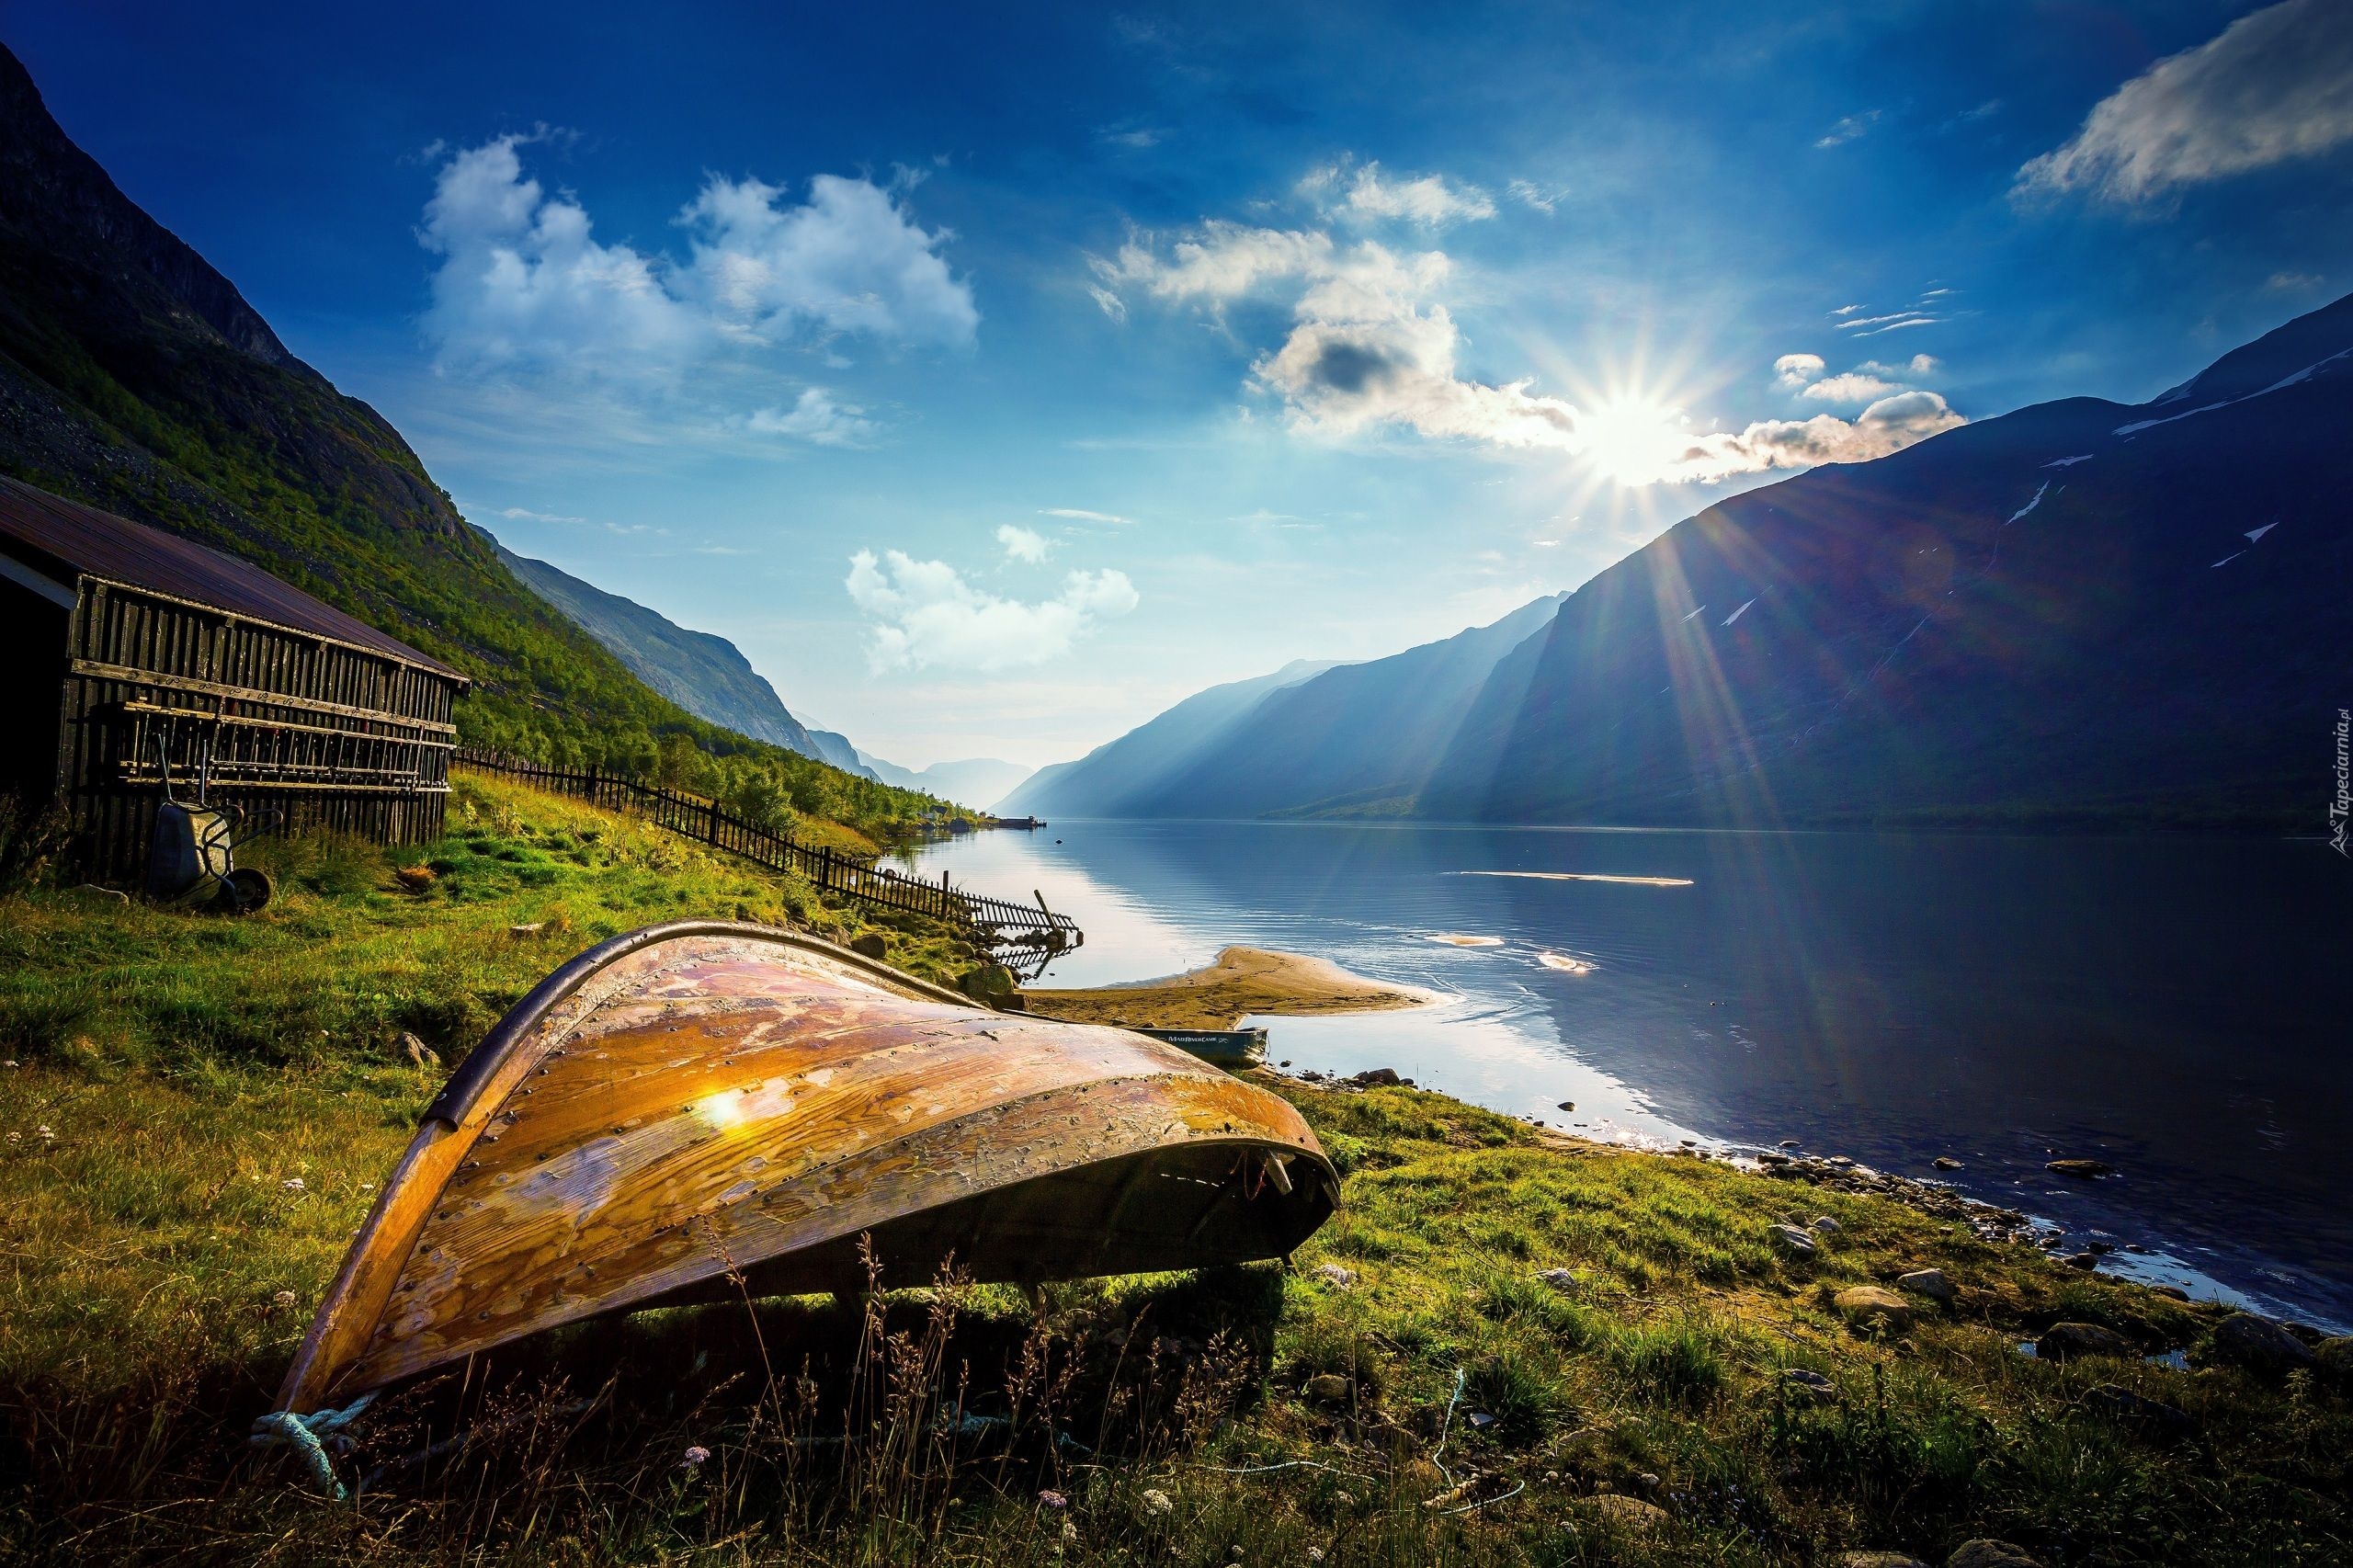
135 657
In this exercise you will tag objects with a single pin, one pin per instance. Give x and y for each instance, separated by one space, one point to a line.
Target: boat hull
700 1104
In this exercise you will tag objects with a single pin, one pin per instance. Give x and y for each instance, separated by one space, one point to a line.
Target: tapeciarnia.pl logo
2342 807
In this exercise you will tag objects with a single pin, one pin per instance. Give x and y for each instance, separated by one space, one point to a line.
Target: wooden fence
998 923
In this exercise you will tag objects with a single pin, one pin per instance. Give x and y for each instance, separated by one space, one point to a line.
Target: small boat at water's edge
1224 1048
701 1099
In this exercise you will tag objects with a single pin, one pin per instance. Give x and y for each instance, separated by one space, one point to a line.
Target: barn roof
64 539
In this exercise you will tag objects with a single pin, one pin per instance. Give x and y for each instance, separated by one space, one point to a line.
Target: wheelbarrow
194 849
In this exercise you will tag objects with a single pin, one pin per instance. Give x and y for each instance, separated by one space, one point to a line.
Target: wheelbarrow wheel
245 890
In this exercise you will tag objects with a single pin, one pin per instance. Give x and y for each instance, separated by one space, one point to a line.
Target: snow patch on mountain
2282 383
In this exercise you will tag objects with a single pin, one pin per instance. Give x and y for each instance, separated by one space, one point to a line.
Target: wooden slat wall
328 737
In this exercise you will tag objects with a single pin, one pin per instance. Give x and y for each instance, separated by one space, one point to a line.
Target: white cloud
525 515
2274 85
1918 365
524 285
925 614
1219 262
1792 371
1888 426
816 418
1850 128
1854 386
1110 304
1544 199
1022 544
1427 200
1371 347
1080 513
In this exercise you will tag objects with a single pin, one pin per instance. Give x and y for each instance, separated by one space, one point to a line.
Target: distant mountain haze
1109 780
976 780
1350 740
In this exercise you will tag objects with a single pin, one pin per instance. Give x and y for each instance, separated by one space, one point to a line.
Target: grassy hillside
134 376
1507 1348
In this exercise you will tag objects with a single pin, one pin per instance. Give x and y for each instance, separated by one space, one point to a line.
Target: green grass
159 1268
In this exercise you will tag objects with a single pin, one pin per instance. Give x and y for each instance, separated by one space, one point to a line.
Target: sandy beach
1243 982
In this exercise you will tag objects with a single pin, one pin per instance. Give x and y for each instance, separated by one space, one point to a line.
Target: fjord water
2177 1007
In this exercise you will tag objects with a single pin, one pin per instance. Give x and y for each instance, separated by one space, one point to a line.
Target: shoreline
1252 981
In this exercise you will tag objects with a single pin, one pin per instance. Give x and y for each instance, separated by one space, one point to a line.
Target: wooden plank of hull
699 1099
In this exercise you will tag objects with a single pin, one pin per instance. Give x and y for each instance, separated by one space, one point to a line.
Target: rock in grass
1627 1516
2065 1341
1990 1554
2259 1345
2155 1415
1559 1278
870 945
1822 1225
1808 1384
1376 1077
1329 1388
1335 1276
418 1054
1870 1306
2332 1362
1877 1560
1794 1242
2082 1170
1928 1282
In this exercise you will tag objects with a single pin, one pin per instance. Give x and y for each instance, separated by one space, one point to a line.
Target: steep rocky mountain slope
2079 613
134 376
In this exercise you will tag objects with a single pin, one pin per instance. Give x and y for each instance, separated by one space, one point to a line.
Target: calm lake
2180 1008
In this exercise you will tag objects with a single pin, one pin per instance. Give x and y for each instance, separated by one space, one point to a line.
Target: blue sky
995 380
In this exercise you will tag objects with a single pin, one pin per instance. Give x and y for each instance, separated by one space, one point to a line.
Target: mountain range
2079 614
1355 739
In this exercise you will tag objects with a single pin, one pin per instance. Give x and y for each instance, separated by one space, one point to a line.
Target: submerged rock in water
1946 1163
1376 1077
2082 1170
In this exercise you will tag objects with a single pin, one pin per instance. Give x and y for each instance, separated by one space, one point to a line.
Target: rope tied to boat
306 1434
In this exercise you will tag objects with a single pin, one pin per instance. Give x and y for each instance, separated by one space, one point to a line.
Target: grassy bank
1503 1349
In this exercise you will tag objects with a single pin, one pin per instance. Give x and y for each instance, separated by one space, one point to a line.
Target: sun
1634 440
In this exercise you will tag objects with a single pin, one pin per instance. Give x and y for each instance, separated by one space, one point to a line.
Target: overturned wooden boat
700 1101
